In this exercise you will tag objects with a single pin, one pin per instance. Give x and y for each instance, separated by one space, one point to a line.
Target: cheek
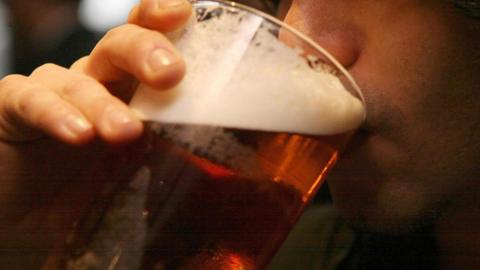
418 83
412 83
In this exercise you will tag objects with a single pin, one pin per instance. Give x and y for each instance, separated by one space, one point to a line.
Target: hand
50 119
75 105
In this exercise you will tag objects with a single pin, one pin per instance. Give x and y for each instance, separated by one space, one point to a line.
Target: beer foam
240 75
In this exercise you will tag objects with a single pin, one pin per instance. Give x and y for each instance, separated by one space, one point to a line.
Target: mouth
358 139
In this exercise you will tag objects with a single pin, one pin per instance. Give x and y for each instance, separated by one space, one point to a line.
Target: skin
419 147
56 121
414 162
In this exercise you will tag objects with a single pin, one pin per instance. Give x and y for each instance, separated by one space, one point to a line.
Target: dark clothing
78 43
322 241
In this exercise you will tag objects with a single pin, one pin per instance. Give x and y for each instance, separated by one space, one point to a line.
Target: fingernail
120 125
161 58
170 3
77 125
118 118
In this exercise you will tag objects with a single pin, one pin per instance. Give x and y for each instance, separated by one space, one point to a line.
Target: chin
392 213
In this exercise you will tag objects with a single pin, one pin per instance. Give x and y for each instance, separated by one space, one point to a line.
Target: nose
335 36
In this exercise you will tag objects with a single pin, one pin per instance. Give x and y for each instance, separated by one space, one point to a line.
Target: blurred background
33 32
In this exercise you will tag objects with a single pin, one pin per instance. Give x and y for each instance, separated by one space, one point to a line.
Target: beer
230 156
213 198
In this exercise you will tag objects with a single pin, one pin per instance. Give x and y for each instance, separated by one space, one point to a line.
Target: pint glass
229 158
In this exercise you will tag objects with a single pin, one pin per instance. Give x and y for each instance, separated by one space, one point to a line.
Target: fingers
66 105
74 105
130 49
112 120
26 105
138 50
161 15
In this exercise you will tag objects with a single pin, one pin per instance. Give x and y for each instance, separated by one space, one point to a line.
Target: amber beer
217 198
234 198
229 158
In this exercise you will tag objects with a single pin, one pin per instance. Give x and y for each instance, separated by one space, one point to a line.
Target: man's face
418 64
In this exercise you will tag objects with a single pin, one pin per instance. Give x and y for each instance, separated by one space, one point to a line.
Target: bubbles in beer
117 239
221 173
215 144
240 75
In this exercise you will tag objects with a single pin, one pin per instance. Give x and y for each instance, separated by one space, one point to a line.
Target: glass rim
299 34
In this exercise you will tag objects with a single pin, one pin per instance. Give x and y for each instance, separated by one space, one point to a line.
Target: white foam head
239 75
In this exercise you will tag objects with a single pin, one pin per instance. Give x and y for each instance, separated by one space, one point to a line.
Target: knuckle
11 87
130 37
130 42
164 19
105 102
35 107
13 78
133 15
24 101
80 64
110 34
18 103
119 31
50 113
28 101
114 40
10 81
44 69
77 86
141 49
86 88
145 42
